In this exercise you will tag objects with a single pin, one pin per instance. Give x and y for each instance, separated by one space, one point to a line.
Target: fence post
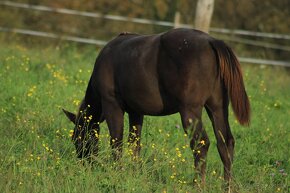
204 11
176 19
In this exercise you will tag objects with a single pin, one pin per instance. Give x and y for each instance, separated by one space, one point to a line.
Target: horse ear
70 116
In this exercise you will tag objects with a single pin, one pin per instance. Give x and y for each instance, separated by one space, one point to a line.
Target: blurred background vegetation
269 16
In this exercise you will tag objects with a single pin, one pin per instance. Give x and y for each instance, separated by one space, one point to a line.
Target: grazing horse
179 71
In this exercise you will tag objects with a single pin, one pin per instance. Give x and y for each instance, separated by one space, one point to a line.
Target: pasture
37 154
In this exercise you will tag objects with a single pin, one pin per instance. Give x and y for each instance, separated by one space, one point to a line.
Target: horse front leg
114 116
134 138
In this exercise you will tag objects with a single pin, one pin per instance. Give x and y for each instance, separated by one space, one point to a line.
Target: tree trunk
204 11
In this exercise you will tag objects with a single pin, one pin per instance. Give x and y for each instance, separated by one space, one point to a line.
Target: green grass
37 154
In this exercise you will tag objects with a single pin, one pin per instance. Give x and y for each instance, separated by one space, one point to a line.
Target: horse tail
231 75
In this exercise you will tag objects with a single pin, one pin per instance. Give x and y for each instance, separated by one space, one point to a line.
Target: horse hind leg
199 141
218 113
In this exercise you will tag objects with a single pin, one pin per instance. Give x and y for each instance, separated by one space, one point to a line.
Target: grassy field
37 154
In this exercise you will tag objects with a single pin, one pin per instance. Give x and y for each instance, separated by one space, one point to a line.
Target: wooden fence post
176 19
204 11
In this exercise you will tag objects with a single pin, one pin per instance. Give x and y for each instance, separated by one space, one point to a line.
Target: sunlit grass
37 154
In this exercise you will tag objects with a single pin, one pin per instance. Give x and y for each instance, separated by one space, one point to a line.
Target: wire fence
53 36
102 43
152 22
140 20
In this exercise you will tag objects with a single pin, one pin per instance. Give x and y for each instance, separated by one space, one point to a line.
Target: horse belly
142 95
149 104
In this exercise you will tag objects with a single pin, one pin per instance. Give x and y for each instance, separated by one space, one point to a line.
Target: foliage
259 15
37 154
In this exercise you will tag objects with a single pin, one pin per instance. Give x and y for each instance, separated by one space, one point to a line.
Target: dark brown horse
179 71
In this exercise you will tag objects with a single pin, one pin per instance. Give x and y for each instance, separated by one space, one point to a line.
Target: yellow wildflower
71 132
202 142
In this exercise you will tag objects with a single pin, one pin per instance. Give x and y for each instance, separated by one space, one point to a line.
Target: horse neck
89 102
